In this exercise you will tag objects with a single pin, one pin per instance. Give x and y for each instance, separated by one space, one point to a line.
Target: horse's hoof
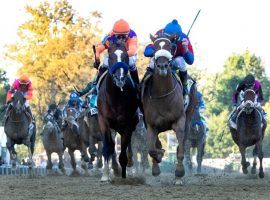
155 169
245 171
179 182
261 174
130 163
180 172
100 164
253 170
105 178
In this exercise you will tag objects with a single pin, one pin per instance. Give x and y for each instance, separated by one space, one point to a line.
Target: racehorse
139 145
17 128
72 139
195 139
53 141
90 135
117 105
250 131
164 106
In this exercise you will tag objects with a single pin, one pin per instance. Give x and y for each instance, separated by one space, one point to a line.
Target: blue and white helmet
73 96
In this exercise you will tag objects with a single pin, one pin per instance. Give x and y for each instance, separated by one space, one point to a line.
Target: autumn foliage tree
55 40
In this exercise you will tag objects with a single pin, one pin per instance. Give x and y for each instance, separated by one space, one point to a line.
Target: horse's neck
162 85
111 88
17 116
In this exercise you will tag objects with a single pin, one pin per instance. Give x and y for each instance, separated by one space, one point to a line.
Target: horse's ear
152 37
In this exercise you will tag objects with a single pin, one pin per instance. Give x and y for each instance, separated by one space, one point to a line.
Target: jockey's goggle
121 36
174 38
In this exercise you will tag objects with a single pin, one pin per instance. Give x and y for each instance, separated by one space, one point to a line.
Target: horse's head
18 101
162 54
118 63
249 100
71 112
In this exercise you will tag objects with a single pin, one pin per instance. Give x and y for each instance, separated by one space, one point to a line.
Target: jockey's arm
188 55
132 44
99 50
28 95
86 89
260 98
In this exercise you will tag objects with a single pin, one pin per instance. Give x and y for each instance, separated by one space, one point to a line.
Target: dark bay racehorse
117 105
195 139
90 135
72 139
250 131
17 128
139 145
53 142
164 106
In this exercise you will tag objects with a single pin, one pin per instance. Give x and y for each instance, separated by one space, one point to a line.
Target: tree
55 40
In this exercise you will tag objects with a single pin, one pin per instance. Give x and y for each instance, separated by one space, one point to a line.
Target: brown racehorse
164 106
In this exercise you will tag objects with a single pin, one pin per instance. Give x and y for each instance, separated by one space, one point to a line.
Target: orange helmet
24 79
121 27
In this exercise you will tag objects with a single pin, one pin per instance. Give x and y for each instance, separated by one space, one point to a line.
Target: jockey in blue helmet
74 101
182 51
201 108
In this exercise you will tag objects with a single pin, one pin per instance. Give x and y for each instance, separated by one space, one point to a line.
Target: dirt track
212 186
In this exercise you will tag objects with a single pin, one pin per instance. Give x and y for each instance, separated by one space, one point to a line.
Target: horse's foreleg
99 155
244 163
92 149
123 159
129 155
179 129
260 155
107 151
84 157
49 162
152 140
187 156
255 154
200 153
152 137
72 159
61 162
12 152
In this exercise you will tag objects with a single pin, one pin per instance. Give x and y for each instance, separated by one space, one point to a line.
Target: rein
164 95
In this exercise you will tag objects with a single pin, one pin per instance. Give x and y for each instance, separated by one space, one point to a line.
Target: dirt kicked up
206 186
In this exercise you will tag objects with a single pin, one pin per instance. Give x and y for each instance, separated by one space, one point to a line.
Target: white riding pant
132 62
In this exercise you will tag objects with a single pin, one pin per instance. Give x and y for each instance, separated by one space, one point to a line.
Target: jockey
75 102
121 32
24 85
248 82
54 114
201 109
182 51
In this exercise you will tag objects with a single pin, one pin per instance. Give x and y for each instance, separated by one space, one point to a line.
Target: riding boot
183 77
101 70
135 77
